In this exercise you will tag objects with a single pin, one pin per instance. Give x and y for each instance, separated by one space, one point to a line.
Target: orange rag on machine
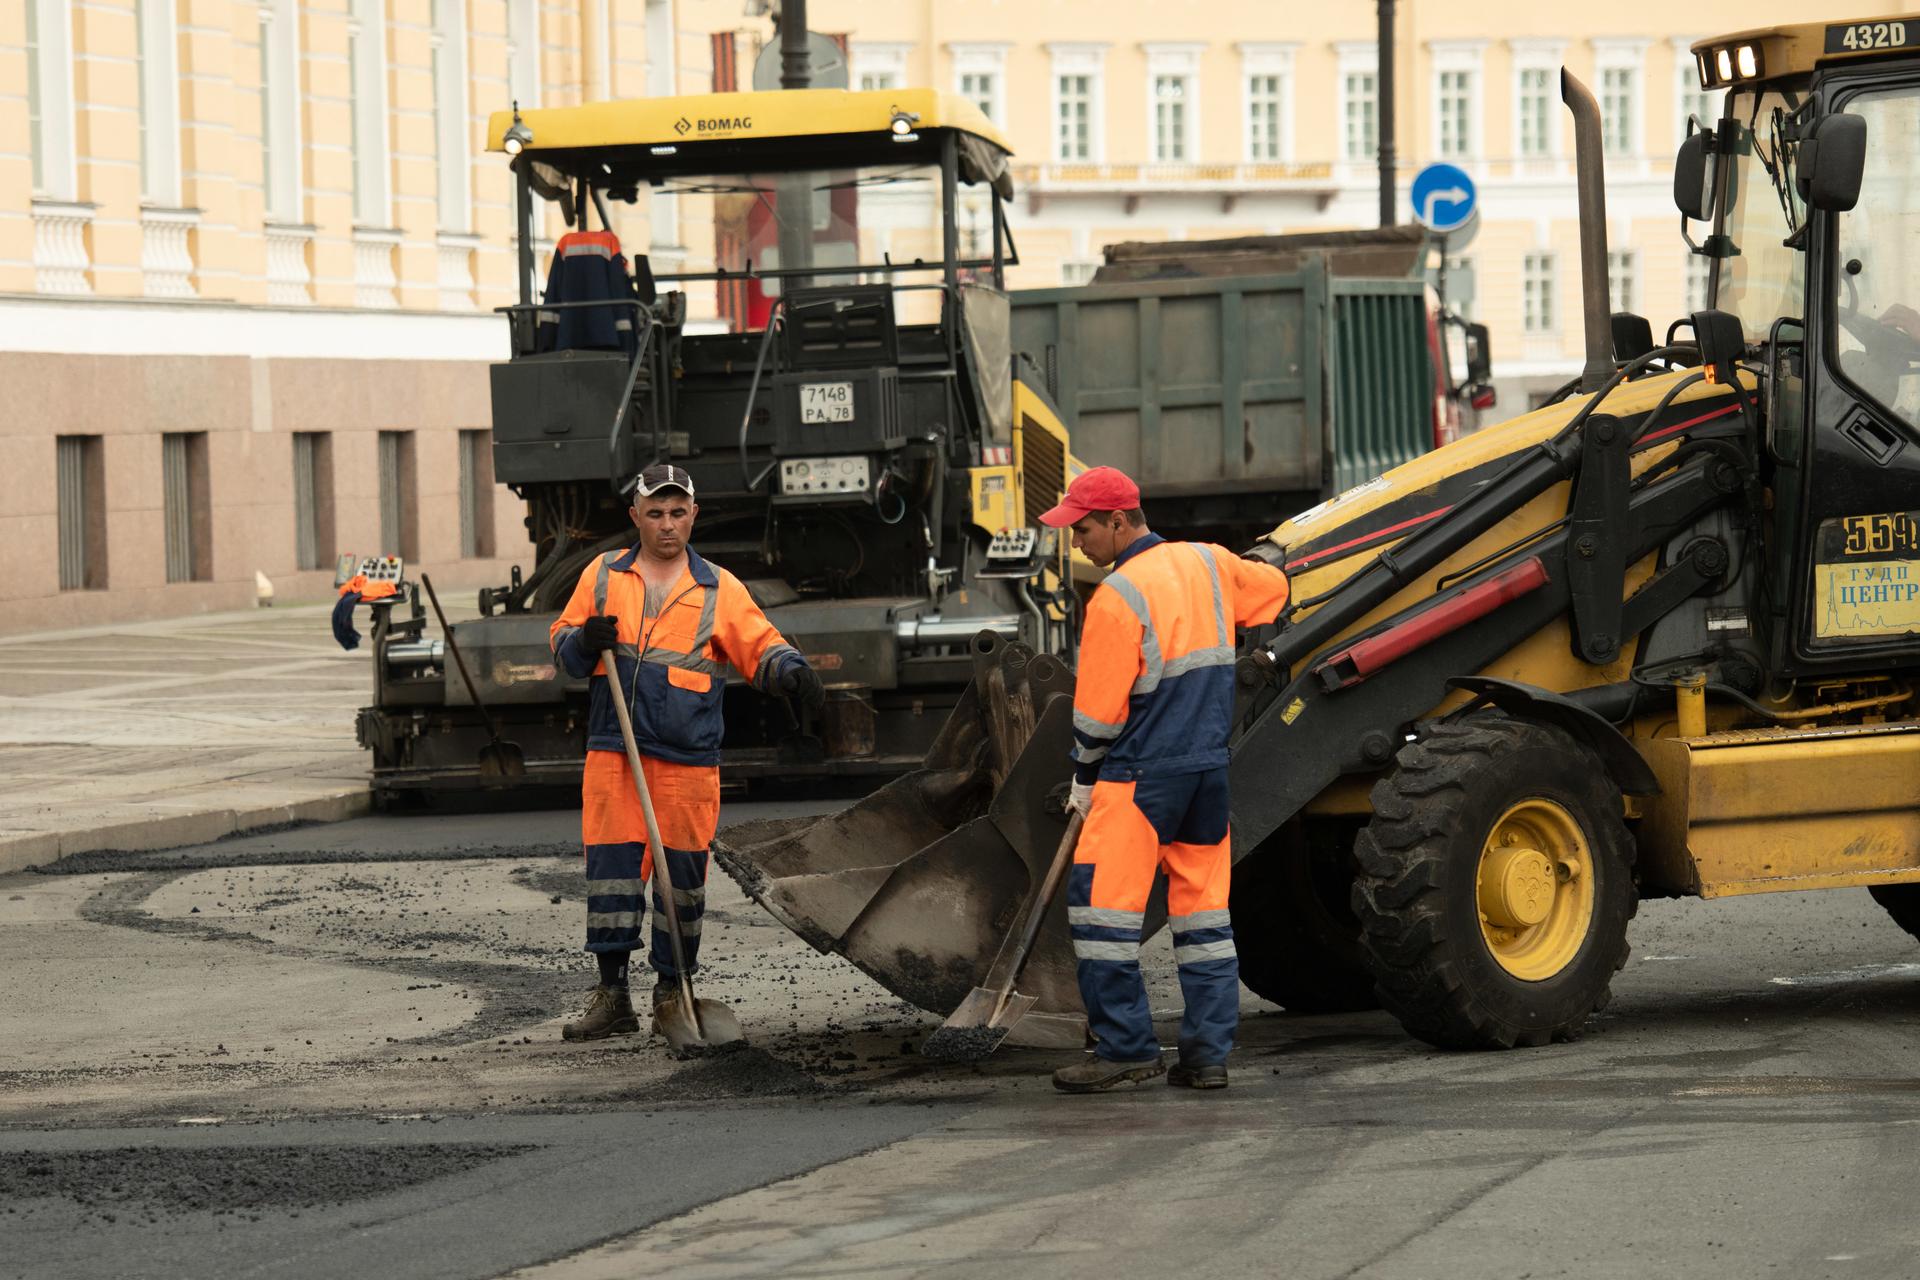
359 586
356 589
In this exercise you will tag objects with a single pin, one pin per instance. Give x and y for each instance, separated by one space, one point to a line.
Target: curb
20 853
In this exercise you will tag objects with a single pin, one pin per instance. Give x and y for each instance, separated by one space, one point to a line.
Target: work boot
1096 1074
1182 1076
609 1013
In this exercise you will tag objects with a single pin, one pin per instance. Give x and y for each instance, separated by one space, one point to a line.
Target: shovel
690 1026
988 1013
498 759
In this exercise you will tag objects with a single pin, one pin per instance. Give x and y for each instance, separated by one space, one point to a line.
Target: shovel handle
656 850
493 730
1037 909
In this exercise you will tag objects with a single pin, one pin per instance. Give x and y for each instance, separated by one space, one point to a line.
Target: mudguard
1531 702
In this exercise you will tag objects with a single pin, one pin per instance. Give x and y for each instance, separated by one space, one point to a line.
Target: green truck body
1238 394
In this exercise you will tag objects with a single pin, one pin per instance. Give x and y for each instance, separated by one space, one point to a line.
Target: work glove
600 633
802 683
1080 798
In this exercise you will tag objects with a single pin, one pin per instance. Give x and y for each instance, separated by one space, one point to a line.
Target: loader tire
1902 902
1293 923
1495 885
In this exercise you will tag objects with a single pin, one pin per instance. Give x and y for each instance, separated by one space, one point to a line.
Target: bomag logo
712 124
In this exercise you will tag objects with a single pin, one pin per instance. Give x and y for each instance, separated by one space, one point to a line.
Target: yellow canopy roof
1795 48
735 117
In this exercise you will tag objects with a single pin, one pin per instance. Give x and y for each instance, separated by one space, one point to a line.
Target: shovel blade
716 1027
502 760
974 1030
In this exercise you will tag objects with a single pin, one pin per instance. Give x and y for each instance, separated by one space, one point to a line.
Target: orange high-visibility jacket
1154 693
673 667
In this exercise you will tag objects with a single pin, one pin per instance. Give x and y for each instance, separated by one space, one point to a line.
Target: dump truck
869 457
1241 381
1658 638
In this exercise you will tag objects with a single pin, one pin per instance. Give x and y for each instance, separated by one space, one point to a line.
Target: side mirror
1693 183
1479 355
1830 162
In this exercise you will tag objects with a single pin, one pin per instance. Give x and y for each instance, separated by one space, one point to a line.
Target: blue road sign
1442 196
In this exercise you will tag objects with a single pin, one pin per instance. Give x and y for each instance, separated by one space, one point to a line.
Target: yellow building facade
248 254
1175 119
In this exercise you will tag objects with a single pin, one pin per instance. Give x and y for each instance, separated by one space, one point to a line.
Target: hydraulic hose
1530 474
747 480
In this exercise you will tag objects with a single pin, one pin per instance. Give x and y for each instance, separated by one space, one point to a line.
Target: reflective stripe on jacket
587 267
673 666
1154 692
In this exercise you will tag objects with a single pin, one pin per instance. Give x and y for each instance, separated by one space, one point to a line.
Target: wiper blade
876 180
714 189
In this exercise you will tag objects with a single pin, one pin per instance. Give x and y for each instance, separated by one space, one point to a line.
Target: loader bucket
920 883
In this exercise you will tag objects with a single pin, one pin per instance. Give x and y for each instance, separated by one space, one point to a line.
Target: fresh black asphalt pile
147 1183
744 1072
962 1044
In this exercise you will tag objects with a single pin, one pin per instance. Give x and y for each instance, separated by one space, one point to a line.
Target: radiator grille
1043 465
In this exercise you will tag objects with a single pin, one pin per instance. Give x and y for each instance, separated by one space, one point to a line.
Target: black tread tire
1293 923
1416 898
1902 902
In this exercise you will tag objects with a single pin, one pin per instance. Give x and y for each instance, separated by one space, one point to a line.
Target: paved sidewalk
151 734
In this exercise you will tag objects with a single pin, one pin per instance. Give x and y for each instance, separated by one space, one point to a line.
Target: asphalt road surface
335 1051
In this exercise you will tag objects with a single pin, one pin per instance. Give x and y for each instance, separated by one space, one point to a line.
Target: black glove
802 683
600 633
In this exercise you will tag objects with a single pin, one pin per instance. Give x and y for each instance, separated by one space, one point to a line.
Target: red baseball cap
1098 489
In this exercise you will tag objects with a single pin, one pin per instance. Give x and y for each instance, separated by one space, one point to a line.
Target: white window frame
1550 310
880 60
1686 87
1260 60
453 189
1537 55
281 156
55 164
986 59
372 183
1355 57
523 53
1623 280
1079 59
1628 54
159 78
1174 62
1461 57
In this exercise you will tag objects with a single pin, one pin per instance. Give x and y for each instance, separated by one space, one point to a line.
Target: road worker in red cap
675 624
1152 709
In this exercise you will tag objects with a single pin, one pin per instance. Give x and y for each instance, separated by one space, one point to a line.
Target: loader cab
1807 183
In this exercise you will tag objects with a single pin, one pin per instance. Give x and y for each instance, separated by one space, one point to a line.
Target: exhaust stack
1590 175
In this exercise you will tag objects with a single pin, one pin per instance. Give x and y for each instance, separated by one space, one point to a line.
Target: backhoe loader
1657 638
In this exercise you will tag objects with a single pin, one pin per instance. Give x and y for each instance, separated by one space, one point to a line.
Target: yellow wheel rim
1535 889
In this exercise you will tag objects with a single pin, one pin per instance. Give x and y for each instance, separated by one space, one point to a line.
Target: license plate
1865 37
826 402
1866 577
